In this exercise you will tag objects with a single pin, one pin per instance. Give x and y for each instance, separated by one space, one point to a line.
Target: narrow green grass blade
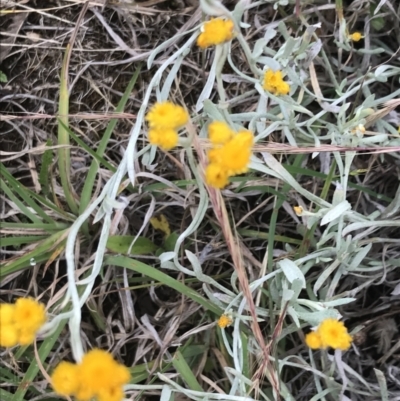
44 178
87 148
64 155
36 197
33 368
7 376
17 265
161 277
42 252
262 235
185 371
140 373
21 206
5 395
91 176
264 189
8 241
52 206
246 356
122 243
24 194
36 226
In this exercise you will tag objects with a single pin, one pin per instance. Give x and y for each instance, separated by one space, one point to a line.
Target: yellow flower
8 335
269 82
298 210
19 322
282 88
224 321
334 334
99 372
26 337
97 376
29 315
213 155
230 154
313 340
216 176
84 394
356 36
219 132
163 137
273 82
7 313
65 379
111 394
167 115
215 32
235 155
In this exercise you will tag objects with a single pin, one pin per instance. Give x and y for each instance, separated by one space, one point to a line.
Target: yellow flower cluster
356 36
215 32
330 333
230 154
224 321
298 210
20 322
164 119
274 83
97 376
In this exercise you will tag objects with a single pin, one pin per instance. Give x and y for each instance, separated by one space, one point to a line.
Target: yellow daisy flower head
273 82
334 334
65 379
167 115
298 210
356 36
7 312
215 32
230 154
219 132
214 155
313 340
20 322
29 315
8 335
26 337
235 155
165 138
224 321
98 376
84 393
269 81
282 88
111 394
99 371
216 176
